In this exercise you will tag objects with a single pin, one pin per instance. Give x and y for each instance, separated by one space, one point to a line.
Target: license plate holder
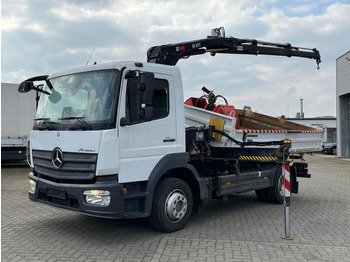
56 192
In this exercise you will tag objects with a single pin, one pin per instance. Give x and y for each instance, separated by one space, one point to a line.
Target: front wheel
172 205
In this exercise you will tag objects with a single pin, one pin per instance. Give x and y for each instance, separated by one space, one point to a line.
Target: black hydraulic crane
218 43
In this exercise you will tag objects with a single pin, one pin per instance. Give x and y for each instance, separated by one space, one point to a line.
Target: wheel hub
176 205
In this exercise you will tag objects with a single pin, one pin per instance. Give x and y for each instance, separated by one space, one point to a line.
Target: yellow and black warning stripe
259 158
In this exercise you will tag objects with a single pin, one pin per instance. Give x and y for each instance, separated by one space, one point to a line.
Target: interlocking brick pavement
237 229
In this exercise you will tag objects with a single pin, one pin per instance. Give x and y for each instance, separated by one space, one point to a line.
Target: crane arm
217 43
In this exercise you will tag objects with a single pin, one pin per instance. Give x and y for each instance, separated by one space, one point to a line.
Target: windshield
79 101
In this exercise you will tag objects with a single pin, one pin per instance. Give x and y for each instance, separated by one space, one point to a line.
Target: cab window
160 102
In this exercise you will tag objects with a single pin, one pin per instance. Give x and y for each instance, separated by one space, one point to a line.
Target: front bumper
70 196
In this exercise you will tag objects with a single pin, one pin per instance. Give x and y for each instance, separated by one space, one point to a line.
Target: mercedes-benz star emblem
57 158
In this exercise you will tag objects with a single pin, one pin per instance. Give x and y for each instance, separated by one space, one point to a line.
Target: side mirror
124 121
55 97
146 87
146 113
28 84
25 86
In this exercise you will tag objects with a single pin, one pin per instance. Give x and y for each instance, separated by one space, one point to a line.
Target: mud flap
302 169
293 178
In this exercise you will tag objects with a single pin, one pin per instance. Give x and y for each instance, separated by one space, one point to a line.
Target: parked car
329 148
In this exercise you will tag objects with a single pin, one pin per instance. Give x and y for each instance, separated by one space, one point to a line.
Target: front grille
76 168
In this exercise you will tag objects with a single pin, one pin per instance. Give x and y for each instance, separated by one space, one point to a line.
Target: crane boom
217 43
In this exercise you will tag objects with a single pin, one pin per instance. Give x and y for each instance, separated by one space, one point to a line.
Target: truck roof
114 65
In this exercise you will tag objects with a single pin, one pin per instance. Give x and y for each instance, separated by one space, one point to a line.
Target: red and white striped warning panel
279 131
286 180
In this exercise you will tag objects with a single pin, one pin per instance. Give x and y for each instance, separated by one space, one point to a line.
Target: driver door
144 144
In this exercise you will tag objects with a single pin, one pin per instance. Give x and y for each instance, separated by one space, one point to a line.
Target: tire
334 151
261 195
172 205
274 194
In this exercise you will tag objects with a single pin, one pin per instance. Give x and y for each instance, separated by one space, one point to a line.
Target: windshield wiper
47 122
80 119
41 118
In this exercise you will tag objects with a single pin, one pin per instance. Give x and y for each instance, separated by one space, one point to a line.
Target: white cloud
10 23
40 37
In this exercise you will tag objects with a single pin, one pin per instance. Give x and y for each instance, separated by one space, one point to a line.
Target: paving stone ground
237 229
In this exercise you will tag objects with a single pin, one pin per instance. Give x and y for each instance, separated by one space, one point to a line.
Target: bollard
286 194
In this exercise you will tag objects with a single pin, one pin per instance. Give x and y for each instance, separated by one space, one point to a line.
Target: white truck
111 140
17 114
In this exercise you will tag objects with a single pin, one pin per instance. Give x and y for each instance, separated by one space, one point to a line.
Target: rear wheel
172 205
274 194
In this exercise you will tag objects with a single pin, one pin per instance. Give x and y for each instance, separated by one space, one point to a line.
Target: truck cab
98 146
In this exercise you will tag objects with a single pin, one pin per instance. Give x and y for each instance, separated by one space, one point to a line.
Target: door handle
168 139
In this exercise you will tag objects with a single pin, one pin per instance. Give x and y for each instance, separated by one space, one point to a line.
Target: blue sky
42 37
300 8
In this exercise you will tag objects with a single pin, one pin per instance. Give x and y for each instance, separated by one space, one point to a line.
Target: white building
330 124
343 104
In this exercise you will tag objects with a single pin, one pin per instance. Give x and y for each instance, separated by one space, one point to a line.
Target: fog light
97 197
32 186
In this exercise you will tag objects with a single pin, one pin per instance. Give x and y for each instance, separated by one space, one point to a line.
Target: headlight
97 197
32 186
